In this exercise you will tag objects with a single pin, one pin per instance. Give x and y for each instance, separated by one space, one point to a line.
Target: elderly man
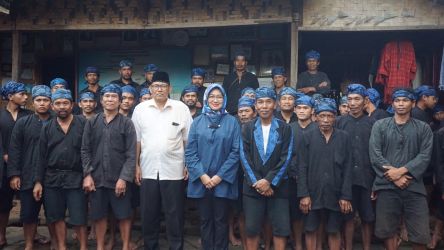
59 170
15 93
92 77
313 81
126 73
236 81
325 177
162 126
265 155
400 151
109 160
87 103
189 96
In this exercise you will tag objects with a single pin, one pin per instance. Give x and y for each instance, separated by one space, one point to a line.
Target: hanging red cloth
397 67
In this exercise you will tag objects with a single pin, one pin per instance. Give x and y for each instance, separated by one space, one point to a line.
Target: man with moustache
109 160
198 80
92 77
23 154
126 73
189 96
87 104
400 152
265 153
15 93
59 172
237 80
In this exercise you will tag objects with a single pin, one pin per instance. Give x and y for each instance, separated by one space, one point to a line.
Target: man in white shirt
162 127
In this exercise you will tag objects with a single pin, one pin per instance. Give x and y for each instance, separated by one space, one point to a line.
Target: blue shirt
213 151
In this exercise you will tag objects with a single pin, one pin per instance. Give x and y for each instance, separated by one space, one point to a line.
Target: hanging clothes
418 78
441 76
397 67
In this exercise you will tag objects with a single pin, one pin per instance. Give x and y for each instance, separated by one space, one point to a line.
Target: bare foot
435 239
92 235
136 244
41 239
74 236
235 241
110 245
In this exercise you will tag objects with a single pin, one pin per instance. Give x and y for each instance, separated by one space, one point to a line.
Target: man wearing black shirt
372 107
87 104
109 161
325 177
92 77
59 170
287 97
313 81
149 69
359 127
189 96
236 81
23 154
426 99
126 73
15 93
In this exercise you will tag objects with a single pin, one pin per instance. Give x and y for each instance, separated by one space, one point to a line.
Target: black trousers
213 222
169 195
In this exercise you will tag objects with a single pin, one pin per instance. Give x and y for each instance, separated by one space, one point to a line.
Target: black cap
160 76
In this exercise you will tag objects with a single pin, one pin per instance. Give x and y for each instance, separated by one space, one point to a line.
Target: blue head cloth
61 94
198 72
12 87
125 63
326 104
59 81
289 91
343 100
403 93
112 88
278 71
374 96
41 90
145 91
312 54
356 88
248 90
390 110
317 97
190 88
265 92
87 96
92 69
150 68
130 89
424 90
438 108
245 101
305 100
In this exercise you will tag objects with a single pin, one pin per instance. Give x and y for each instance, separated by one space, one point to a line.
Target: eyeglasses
159 86
213 97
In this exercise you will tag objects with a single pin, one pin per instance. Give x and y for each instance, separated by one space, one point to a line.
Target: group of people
278 159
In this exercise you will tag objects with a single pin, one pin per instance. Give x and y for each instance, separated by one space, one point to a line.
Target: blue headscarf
150 68
92 69
326 104
198 72
312 54
403 93
305 100
215 116
390 110
278 71
265 92
343 100
190 88
424 90
87 96
374 96
290 91
41 90
59 81
125 63
12 87
248 90
145 91
356 88
438 108
130 89
317 97
245 101
112 88
61 94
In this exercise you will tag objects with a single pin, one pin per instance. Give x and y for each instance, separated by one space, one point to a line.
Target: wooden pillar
16 54
294 47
